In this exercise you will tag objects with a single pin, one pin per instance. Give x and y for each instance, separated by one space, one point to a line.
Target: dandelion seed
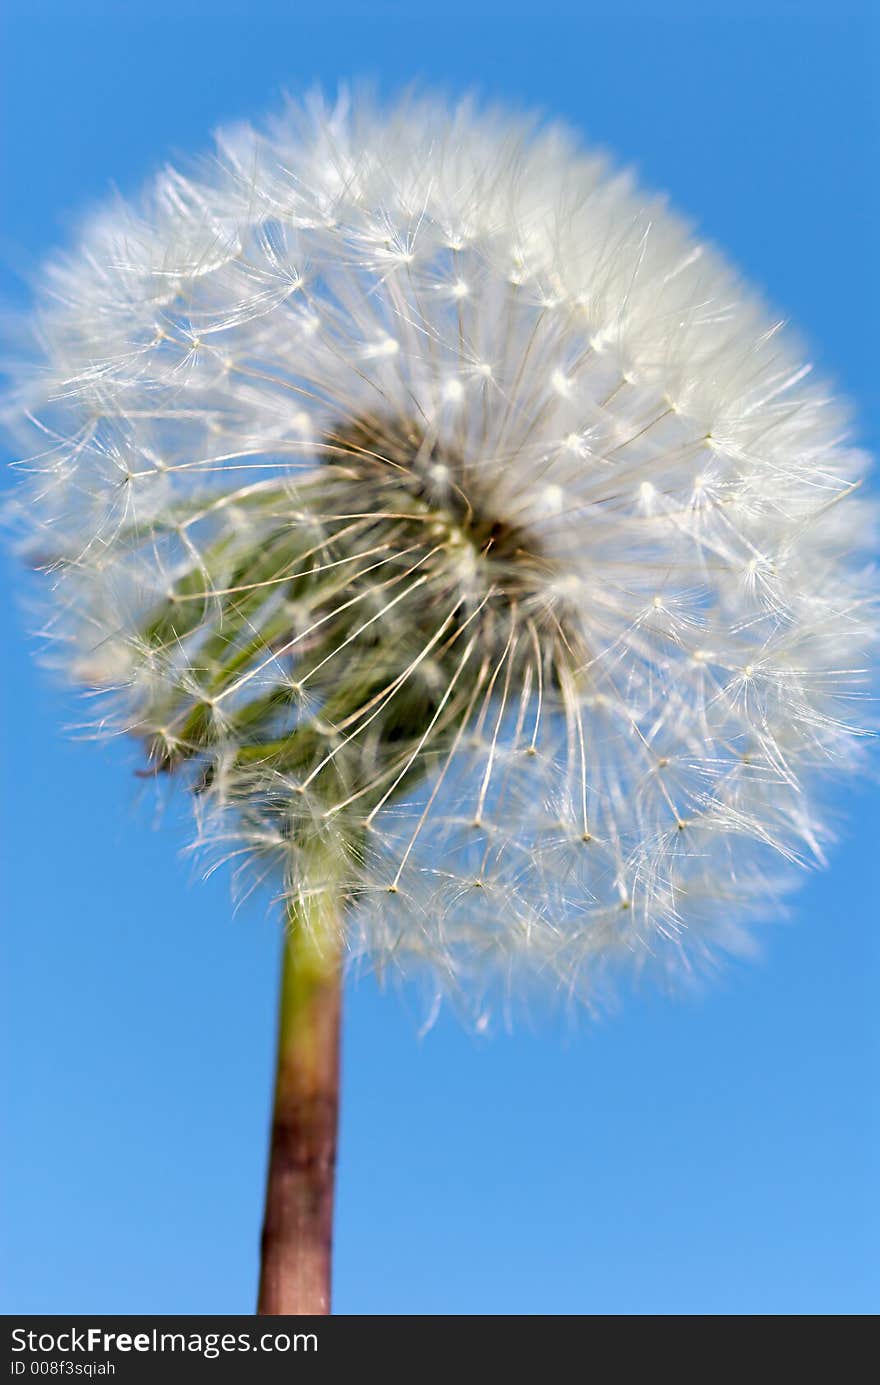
485 556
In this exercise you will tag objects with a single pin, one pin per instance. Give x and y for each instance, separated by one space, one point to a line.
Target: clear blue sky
714 1155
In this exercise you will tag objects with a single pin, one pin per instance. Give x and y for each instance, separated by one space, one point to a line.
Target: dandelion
474 545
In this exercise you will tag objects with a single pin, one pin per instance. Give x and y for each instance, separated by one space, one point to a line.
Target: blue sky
712 1155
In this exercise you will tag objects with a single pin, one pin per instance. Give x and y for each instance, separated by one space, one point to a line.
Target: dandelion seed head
412 482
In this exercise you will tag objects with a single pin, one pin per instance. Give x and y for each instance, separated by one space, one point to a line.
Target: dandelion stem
298 1222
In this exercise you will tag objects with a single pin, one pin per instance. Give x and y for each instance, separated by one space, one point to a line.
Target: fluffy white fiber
463 528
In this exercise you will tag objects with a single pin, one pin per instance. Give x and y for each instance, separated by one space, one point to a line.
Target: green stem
298 1223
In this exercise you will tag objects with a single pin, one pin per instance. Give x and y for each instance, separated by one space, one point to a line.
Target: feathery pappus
464 531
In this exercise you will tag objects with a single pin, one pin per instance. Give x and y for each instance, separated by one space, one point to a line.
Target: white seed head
420 487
